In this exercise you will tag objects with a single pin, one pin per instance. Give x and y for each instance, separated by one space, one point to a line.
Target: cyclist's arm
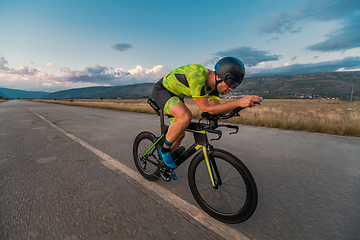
220 108
214 101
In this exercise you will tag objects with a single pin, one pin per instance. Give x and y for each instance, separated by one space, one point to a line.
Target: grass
128 105
323 116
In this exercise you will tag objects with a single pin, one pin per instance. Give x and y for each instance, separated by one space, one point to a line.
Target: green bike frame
201 142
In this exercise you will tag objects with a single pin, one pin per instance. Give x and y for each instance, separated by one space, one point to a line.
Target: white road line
218 227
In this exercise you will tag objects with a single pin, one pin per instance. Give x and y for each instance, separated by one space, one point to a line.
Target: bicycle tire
233 203
142 143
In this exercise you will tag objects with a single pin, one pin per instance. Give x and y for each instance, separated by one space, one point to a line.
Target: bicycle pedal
165 173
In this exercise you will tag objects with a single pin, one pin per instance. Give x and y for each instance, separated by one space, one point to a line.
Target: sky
54 45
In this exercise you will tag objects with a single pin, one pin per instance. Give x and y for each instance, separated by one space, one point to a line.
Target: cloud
345 12
96 69
273 39
326 10
140 74
23 71
122 47
347 37
347 63
97 74
3 62
248 55
37 79
281 23
293 58
101 75
22 77
78 77
50 65
19 71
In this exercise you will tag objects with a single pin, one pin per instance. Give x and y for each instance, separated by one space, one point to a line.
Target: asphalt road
67 173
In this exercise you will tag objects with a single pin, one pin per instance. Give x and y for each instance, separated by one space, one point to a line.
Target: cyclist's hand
249 101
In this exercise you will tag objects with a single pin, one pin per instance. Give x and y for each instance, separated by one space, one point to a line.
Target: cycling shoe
168 160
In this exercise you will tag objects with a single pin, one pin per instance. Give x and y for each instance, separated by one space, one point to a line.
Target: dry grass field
323 116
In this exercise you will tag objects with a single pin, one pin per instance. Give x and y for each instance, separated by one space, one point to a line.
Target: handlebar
211 129
224 116
228 115
213 121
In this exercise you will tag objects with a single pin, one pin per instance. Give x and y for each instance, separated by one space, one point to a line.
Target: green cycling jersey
189 80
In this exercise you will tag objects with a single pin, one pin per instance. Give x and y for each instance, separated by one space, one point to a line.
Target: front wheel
235 197
146 157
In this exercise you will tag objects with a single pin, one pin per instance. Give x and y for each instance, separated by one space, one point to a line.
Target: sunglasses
231 82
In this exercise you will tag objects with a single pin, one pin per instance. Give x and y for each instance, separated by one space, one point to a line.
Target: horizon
51 47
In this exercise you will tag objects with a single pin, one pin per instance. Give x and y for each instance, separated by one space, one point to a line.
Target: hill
312 85
332 84
125 91
77 92
16 93
3 96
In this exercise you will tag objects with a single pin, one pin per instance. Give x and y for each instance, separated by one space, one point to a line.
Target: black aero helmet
230 70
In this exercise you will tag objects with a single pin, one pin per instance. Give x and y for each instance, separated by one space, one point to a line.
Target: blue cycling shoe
167 158
174 177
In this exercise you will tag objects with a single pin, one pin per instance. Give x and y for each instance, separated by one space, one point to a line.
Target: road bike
220 182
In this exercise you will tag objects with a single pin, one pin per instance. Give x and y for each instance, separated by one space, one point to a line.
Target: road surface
68 173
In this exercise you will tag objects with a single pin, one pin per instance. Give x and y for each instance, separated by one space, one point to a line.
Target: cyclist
197 81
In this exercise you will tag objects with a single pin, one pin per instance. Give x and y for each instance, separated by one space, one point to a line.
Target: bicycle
220 182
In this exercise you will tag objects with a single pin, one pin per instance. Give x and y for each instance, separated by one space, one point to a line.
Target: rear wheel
145 163
235 198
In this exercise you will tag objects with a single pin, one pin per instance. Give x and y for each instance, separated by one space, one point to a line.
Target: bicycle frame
233 197
201 141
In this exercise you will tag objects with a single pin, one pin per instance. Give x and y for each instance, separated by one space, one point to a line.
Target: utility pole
352 92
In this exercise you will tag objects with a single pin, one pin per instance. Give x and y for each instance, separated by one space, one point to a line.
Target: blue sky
55 45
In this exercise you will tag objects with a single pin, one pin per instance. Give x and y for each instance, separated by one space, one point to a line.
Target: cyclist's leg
175 107
182 116
178 141
171 104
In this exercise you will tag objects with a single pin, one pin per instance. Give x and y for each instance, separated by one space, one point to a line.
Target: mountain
2 96
126 91
16 93
77 92
331 84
